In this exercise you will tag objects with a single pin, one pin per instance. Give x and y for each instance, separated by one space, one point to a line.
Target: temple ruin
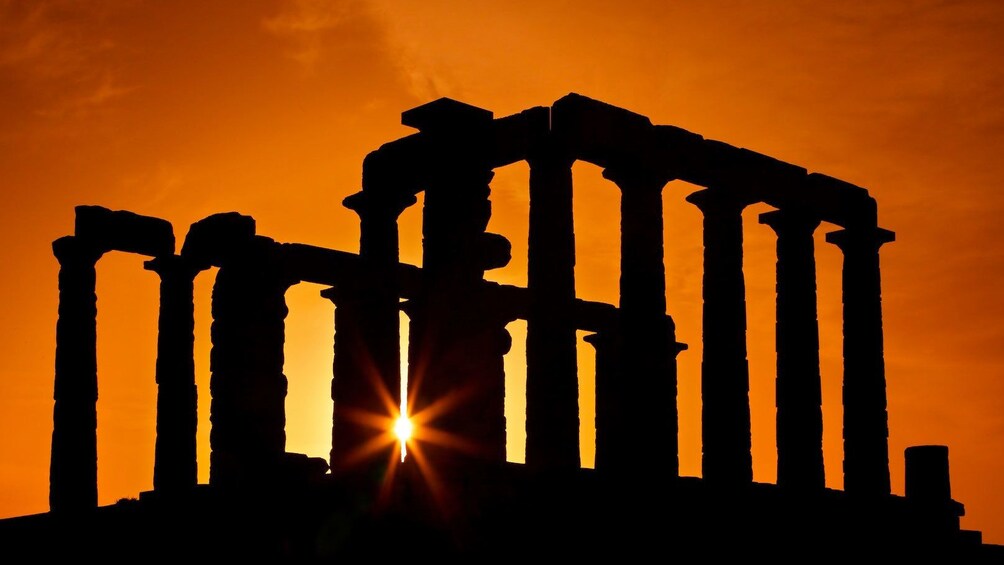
458 339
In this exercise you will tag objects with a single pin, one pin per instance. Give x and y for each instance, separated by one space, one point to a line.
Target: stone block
840 202
600 133
212 239
121 230
514 137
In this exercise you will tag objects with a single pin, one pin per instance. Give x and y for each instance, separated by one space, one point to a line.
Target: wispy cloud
55 51
306 23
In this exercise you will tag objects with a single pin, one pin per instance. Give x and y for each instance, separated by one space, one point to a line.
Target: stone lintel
840 202
121 230
366 203
761 177
397 165
600 133
514 138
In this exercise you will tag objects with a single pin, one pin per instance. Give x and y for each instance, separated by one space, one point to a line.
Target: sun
403 428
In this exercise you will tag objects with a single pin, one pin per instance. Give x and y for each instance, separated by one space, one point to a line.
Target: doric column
724 368
457 339
552 409
248 387
866 425
456 344
649 364
175 463
617 450
367 374
798 391
73 474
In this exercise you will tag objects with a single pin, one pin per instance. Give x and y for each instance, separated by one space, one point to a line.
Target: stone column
248 387
866 425
456 347
367 375
798 390
724 367
73 471
457 339
649 365
552 409
175 464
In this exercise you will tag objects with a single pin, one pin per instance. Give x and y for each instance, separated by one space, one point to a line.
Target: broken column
367 375
175 460
798 389
927 476
929 490
649 364
866 427
456 343
724 367
552 409
73 474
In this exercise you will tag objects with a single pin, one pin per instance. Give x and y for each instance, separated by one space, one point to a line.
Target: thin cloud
306 23
56 50
84 101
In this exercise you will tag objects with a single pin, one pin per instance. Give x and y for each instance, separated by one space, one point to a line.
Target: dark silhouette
455 496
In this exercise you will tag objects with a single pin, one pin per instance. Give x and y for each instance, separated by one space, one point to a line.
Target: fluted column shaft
73 471
648 371
456 371
248 387
552 409
798 389
724 367
175 460
866 420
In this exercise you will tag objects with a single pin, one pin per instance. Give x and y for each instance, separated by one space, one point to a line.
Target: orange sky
183 109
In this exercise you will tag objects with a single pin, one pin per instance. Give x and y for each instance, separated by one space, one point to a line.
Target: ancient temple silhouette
464 500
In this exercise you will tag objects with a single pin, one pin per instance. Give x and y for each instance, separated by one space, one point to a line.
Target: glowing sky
182 109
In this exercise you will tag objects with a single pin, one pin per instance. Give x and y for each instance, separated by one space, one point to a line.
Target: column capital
603 338
549 151
347 291
857 238
718 200
367 203
628 177
173 266
70 250
790 221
